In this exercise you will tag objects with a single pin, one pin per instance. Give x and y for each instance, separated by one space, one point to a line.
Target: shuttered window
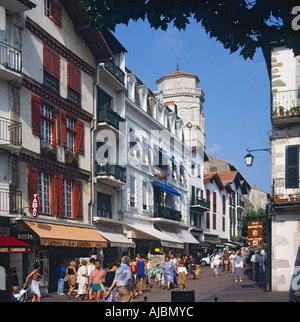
51 63
292 166
74 83
53 11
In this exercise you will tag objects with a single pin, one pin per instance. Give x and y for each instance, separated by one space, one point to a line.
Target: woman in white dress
35 282
82 280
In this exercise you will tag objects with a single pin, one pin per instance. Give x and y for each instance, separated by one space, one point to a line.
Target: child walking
158 274
182 275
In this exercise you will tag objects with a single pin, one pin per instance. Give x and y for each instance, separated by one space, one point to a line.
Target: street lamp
249 161
249 157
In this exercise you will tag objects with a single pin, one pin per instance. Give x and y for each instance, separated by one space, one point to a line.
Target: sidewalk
207 288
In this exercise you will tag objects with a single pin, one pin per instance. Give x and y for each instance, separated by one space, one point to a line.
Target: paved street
207 287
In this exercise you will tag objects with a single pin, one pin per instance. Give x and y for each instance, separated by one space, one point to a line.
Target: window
44 192
208 220
223 223
145 195
67 197
51 61
224 204
214 201
53 11
46 126
74 83
292 166
70 135
104 205
132 192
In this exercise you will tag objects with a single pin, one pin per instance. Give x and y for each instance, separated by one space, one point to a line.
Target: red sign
35 205
255 233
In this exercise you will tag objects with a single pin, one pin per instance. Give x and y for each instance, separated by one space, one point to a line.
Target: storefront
148 239
117 243
53 244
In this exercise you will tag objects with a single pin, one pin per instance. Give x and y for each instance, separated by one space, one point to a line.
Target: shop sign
255 233
14 250
35 205
71 243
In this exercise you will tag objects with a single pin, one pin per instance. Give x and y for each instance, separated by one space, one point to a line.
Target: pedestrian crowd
244 260
128 277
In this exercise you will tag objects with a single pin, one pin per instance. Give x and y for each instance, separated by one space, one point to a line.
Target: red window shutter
77 200
32 177
79 138
64 128
207 194
57 126
36 115
56 13
51 62
74 78
60 196
214 201
214 221
208 220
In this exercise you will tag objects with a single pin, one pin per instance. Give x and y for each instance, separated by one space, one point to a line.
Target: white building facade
284 73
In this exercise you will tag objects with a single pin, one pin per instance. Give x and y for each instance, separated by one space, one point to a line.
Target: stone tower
181 89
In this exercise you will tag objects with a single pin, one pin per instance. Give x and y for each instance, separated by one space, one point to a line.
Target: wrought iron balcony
286 191
115 71
10 58
166 213
115 171
10 132
199 204
11 201
286 107
106 115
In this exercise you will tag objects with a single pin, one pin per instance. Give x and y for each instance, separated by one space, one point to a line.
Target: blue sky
237 92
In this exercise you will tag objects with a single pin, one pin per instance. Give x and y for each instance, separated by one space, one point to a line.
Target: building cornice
49 165
55 99
59 48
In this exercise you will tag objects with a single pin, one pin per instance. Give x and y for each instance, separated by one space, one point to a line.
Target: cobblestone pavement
207 288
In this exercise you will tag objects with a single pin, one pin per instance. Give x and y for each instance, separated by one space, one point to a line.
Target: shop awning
66 236
217 244
182 234
167 188
13 245
116 239
146 232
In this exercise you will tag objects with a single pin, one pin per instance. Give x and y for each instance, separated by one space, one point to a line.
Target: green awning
215 243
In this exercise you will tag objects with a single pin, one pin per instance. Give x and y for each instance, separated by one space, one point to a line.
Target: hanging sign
255 233
35 205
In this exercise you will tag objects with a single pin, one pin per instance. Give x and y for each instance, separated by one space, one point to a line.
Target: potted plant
275 113
298 109
291 197
293 110
281 110
72 159
48 152
298 197
287 112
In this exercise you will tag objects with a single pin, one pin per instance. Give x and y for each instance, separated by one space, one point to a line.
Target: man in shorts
96 277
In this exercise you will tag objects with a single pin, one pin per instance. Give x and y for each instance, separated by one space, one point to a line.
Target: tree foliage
243 25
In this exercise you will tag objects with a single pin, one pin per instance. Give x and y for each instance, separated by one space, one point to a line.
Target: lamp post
249 157
249 161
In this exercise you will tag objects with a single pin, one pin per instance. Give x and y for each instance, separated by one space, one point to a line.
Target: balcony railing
10 57
115 71
107 115
10 131
240 203
114 170
285 104
200 203
283 194
166 213
10 201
